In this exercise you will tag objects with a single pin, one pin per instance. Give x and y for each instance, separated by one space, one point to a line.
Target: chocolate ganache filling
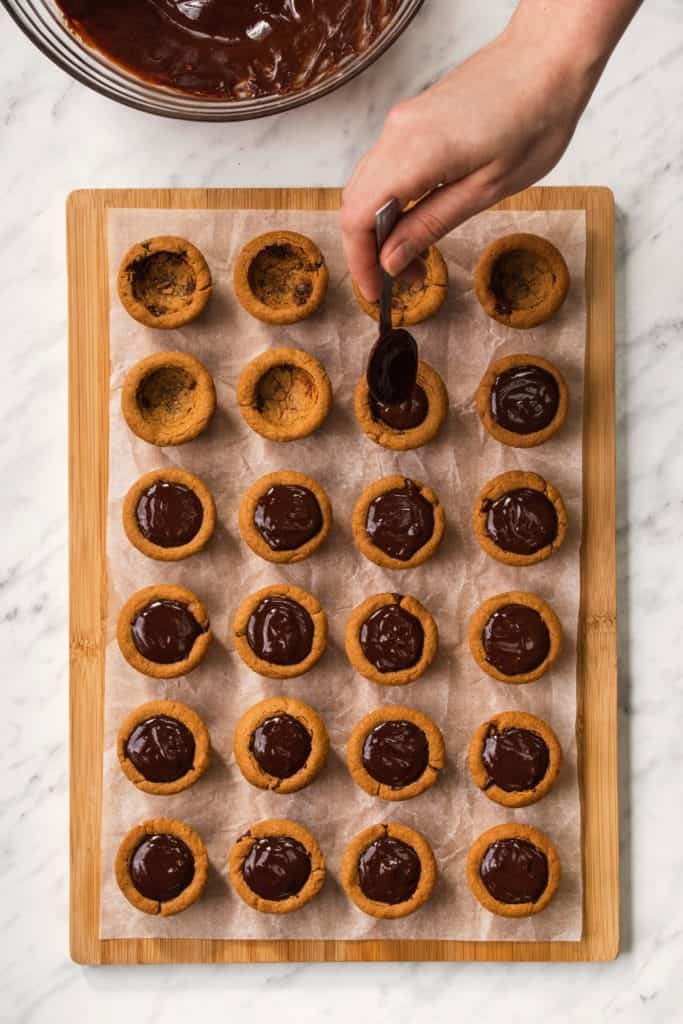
516 639
287 516
161 867
276 867
280 631
165 631
161 748
400 521
281 746
392 638
524 399
515 759
392 367
395 753
406 415
389 870
169 514
522 521
514 871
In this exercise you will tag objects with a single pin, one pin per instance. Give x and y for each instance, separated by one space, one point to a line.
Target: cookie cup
164 282
129 845
190 719
514 720
497 488
413 302
349 871
404 440
512 831
375 554
356 655
156 551
284 394
280 277
259 713
484 613
531 274
354 752
277 827
135 604
168 398
267 668
510 437
253 538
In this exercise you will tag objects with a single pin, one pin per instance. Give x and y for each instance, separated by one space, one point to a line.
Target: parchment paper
460 342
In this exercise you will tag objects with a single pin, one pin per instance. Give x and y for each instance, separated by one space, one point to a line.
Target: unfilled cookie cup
135 604
355 652
267 668
404 440
284 394
277 827
414 302
190 719
130 843
349 871
168 398
375 554
157 551
497 488
256 541
354 753
512 831
256 716
510 437
280 277
521 280
164 282
514 720
484 613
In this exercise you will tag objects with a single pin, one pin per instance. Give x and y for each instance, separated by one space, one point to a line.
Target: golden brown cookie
280 631
281 744
163 631
163 747
521 280
513 870
514 758
413 302
161 866
285 516
380 517
519 518
515 637
411 424
277 866
391 639
169 514
168 398
284 394
388 871
164 282
280 277
522 400
395 753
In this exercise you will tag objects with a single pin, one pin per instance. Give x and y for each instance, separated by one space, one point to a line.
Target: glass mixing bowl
43 23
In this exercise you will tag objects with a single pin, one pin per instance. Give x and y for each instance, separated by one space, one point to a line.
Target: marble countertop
58 136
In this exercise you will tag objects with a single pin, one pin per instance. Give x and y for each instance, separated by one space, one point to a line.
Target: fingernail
399 258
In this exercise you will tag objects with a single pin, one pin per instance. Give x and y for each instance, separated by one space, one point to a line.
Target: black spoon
392 365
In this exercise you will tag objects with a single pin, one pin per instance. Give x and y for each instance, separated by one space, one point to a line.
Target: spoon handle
385 222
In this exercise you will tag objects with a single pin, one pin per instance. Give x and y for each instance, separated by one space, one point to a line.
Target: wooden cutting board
597 672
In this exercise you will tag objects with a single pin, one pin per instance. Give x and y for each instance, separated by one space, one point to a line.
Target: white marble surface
57 136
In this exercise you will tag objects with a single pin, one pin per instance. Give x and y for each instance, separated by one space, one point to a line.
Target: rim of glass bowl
42 22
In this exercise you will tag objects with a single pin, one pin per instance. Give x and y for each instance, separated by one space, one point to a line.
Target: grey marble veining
57 136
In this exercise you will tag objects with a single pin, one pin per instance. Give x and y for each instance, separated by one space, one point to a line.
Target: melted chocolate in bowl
388 871
514 871
524 399
230 49
395 753
405 415
515 759
392 639
276 867
165 631
516 639
287 516
281 746
280 631
161 748
400 521
522 521
161 867
169 514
